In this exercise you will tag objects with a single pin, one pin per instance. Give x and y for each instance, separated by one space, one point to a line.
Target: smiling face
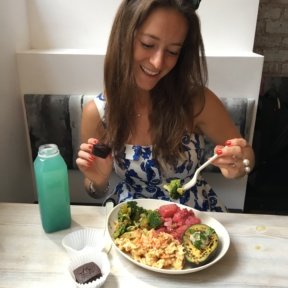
157 46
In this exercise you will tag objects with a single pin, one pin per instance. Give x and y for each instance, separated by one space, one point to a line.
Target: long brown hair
172 98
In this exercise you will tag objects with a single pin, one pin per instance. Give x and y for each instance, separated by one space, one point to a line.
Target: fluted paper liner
80 240
100 258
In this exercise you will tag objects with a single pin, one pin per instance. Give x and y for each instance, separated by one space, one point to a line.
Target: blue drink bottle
52 185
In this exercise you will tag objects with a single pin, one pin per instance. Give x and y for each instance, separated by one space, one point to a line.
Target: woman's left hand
236 158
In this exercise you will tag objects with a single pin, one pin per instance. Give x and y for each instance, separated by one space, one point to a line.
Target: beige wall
15 175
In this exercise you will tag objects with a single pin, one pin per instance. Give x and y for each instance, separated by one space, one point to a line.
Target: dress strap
100 103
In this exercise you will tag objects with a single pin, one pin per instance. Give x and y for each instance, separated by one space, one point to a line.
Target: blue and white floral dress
142 177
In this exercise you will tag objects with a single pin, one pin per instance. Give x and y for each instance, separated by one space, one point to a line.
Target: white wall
227 25
70 24
15 170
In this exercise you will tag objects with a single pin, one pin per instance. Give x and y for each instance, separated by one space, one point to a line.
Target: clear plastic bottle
52 185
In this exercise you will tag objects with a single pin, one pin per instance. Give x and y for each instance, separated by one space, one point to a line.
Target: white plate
224 239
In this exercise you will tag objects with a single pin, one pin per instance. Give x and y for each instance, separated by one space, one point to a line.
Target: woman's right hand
96 169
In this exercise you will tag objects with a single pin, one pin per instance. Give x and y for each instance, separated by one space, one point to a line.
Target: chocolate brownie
101 150
87 273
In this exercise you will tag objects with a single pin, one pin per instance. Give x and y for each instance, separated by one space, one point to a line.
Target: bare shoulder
90 109
90 121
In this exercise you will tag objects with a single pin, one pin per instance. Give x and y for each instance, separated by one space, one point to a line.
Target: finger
236 142
218 150
228 151
224 162
86 156
93 141
83 164
233 148
234 164
86 147
233 152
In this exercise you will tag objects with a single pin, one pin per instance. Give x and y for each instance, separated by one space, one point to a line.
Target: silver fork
193 181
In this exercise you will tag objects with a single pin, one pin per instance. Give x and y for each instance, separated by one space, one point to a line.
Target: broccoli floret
124 220
143 221
121 229
174 188
132 206
136 211
131 216
124 212
154 219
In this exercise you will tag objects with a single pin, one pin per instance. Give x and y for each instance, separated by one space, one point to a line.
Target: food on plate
176 220
87 273
154 219
166 237
174 188
131 216
101 150
200 244
152 248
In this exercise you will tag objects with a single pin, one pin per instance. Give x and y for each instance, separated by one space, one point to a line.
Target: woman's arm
96 170
214 121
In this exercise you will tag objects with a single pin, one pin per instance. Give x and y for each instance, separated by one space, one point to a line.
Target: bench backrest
57 118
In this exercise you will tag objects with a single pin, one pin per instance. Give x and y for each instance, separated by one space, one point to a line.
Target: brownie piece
101 150
87 273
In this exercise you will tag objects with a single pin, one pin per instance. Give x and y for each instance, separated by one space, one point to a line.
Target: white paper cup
83 239
100 258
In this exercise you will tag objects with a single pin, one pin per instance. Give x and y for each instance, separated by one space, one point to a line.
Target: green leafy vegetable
174 189
154 219
132 216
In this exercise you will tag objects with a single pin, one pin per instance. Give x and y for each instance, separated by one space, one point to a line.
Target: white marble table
257 257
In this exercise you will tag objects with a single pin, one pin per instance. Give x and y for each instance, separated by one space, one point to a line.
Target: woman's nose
157 59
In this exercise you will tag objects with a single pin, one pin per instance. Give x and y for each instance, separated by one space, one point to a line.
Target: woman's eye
146 45
173 53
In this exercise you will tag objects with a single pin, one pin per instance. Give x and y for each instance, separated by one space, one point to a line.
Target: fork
193 181
108 206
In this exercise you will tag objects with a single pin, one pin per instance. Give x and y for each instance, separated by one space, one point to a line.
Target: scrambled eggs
156 249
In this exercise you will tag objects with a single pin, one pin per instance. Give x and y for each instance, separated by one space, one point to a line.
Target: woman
155 109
